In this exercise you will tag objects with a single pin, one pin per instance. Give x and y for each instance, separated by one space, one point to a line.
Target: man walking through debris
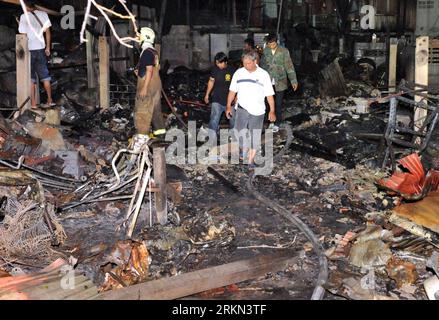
249 45
252 84
218 86
34 24
148 99
277 61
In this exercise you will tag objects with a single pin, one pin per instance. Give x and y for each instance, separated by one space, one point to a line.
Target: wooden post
393 56
159 167
104 73
90 63
421 77
23 71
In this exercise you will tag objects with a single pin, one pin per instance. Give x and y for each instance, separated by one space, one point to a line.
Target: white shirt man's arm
22 26
48 34
48 41
233 89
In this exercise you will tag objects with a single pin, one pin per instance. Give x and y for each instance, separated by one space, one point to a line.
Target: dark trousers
279 96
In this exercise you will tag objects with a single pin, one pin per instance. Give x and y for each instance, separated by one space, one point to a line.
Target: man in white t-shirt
253 85
36 25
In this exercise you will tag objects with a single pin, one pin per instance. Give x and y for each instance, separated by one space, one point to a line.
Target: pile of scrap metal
419 213
426 115
399 244
377 253
420 216
415 184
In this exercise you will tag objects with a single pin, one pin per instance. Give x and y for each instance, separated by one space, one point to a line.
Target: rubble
131 260
404 273
368 254
73 187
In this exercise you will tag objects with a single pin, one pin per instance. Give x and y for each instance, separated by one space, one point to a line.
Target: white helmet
147 34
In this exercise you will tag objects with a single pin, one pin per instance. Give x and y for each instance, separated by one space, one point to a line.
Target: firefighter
147 108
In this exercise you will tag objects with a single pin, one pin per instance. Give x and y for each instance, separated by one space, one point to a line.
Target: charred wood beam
188 284
224 181
173 109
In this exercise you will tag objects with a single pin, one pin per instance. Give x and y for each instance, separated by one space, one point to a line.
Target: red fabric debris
412 185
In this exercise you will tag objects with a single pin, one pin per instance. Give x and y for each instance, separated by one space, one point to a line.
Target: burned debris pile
59 200
356 161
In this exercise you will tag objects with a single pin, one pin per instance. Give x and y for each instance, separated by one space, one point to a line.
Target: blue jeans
216 112
38 65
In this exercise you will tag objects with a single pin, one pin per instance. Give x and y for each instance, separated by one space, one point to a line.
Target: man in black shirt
218 86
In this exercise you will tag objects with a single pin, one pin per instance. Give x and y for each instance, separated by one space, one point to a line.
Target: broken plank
424 212
13 177
415 229
159 164
86 294
188 284
54 290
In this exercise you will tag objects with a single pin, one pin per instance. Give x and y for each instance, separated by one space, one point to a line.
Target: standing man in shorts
39 49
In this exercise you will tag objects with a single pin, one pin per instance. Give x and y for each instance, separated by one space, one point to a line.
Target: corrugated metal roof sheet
52 283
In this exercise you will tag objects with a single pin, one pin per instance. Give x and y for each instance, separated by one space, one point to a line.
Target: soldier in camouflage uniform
277 61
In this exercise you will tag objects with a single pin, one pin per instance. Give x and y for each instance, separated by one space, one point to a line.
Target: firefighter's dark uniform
148 109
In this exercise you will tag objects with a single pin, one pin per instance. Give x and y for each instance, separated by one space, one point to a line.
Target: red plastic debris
415 184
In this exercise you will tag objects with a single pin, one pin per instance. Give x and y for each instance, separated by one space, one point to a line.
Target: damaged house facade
340 203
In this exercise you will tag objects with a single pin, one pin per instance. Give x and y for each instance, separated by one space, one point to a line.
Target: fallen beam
47 10
188 284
